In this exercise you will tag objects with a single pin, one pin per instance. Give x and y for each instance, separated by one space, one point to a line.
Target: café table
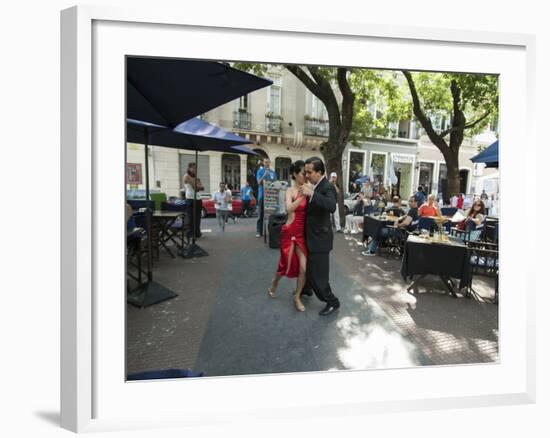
428 256
163 221
373 225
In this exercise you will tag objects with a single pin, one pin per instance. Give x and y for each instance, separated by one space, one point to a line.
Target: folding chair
426 223
177 228
483 258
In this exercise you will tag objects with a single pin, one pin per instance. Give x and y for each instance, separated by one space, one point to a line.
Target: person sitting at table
403 223
429 208
130 220
395 208
354 219
367 189
474 218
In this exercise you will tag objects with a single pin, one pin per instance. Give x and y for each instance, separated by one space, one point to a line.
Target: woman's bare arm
290 204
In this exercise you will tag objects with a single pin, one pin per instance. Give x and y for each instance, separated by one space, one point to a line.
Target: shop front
403 166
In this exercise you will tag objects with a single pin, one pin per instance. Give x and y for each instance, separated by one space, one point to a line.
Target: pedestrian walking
246 197
222 200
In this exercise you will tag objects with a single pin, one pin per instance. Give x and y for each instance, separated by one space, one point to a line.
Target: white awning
402 158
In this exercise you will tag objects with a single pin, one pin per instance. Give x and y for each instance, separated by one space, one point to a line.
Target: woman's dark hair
296 167
318 165
482 210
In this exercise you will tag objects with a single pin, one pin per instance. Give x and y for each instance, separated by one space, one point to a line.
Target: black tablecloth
422 258
372 227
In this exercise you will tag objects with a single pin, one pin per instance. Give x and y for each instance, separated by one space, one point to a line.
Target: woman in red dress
292 261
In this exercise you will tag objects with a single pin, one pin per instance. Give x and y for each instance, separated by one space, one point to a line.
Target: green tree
469 101
345 93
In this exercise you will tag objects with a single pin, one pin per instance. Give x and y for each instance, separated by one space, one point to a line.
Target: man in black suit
321 203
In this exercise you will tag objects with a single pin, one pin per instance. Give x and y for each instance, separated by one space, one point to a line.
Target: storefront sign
133 173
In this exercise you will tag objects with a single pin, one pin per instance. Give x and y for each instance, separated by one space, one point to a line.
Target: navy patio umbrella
195 134
489 156
168 91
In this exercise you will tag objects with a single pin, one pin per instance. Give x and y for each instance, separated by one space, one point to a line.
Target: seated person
395 209
474 218
380 203
403 223
429 208
130 220
356 218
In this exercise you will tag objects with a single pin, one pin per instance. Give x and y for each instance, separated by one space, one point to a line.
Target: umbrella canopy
244 150
489 156
167 91
194 134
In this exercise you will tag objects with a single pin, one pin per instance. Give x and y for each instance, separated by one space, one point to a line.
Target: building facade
286 122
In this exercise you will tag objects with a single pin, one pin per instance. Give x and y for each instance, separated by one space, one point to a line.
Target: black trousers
317 276
245 208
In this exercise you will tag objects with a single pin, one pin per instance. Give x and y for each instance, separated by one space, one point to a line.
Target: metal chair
469 234
178 228
426 223
369 209
483 258
136 248
138 204
396 240
448 211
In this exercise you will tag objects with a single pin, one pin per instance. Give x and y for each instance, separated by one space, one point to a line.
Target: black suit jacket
318 224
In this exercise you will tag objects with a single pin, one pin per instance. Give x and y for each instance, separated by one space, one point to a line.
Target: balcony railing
242 120
316 127
273 124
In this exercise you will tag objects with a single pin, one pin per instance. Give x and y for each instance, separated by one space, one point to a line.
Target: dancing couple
306 238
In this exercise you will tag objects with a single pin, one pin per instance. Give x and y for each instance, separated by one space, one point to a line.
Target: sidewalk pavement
224 323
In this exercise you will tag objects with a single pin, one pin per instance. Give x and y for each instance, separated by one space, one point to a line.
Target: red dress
291 235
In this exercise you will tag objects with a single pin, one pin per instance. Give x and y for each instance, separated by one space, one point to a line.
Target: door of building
231 171
464 174
425 176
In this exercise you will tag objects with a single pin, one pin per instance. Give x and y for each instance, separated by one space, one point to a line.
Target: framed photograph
175 312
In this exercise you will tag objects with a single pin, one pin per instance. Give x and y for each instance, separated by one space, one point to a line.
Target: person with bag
474 218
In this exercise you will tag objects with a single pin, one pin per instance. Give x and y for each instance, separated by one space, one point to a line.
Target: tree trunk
453 175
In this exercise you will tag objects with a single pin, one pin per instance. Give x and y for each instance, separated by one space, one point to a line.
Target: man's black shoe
307 292
329 308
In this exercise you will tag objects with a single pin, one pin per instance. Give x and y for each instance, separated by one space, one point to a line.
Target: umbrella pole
195 197
151 292
148 213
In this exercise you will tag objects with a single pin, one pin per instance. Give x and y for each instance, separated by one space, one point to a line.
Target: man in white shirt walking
222 200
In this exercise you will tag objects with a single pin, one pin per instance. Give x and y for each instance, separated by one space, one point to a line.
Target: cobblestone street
224 323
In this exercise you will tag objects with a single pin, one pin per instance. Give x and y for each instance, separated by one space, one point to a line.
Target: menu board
271 200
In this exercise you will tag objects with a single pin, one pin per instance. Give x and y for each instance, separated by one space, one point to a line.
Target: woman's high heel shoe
271 290
298 304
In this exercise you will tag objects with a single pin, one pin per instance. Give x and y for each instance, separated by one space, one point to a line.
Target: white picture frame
94 396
